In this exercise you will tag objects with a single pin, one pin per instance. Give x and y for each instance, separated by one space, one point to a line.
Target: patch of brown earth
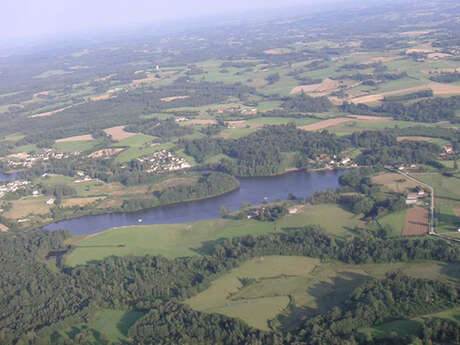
416 222
118 133
85 137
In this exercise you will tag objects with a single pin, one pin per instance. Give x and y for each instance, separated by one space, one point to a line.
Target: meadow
308 286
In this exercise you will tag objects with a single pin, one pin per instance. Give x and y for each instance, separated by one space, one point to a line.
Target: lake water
252 190
9 177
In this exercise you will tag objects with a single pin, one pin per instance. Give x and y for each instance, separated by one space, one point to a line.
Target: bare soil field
327 85
277 51
118 133
444 89
105 153
105 78
371 118
394 182
3 228
326 123
138 82
49 113
236 124
384 59
170 99
200 122
414 33
80 202
437 55
416 222
85 137
109 94
402 139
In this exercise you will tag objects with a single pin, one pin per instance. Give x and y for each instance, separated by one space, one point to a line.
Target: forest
48 294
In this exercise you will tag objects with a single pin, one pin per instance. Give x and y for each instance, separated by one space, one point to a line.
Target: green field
340 224
114 324
395 220
311 286
169 240
447 198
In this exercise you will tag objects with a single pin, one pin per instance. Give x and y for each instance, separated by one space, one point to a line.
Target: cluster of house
162 161
447 151
12 187
82 177
335 161
26 160
240 110
412 198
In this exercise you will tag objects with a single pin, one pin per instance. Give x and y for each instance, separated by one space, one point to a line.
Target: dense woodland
260 153
48 294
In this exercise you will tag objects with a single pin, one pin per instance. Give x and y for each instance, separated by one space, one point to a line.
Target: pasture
170 240
341 224
265 283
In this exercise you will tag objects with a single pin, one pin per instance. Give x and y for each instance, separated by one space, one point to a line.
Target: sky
32 18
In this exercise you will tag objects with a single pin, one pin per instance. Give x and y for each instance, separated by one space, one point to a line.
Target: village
324 161
13 187
162 161
27 160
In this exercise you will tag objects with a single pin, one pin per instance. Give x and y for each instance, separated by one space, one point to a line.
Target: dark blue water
8 177
252 190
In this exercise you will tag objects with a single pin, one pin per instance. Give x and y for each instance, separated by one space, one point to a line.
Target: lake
252 190
8 177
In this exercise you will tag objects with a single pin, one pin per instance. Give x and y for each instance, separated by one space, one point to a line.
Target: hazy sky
28 18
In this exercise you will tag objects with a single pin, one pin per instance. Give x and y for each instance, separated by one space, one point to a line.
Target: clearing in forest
118 133
414 138
416 222
170 99
49 113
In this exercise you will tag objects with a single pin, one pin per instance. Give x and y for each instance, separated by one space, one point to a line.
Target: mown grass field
340 224
169 240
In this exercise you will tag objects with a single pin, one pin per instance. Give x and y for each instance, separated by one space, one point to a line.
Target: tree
224 211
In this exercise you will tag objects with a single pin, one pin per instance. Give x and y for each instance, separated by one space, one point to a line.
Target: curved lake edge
253 190
118 211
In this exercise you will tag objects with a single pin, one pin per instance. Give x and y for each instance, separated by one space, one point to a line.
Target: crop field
118 133
416 222
85 137
26 207
394 182
74 146
326 124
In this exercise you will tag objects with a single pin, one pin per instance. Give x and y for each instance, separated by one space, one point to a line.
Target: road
432 230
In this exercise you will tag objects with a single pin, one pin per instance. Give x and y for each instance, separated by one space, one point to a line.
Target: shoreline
117 211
